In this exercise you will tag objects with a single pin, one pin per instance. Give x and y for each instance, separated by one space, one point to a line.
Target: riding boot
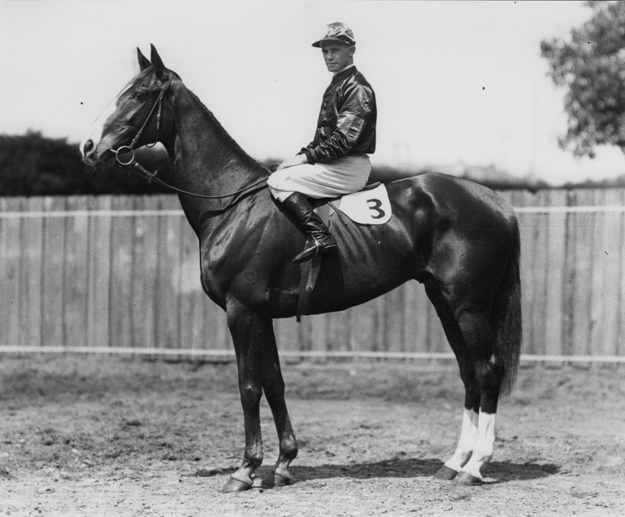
321 240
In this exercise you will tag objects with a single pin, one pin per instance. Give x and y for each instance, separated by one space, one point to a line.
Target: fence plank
412 329
143 272
31 275
436 342
75 274
597 334
556 227
287 334
168 275
10 273
527 223
122 229
53 279
534 277
363 324
579 274
393 314
417 319
99 262
610 262
192 297
338 331
305 329
216 335
319 324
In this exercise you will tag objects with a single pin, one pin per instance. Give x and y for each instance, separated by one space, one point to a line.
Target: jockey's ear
143 61
159 67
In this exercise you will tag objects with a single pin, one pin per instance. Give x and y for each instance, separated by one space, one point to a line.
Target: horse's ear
158 65
143 61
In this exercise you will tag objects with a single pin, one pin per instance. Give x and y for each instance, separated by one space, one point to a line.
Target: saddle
310 269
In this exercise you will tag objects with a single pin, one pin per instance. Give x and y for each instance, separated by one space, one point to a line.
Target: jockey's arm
350 123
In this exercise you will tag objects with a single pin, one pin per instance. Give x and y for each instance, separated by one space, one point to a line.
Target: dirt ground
108 436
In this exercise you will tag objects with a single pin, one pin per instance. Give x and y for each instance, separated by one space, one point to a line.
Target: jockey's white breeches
321 180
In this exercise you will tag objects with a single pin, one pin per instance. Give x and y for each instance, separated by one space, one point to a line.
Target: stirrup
316 248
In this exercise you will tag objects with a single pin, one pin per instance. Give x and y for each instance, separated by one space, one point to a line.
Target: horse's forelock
146 77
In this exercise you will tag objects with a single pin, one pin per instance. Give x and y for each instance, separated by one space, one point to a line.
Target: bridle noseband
137 168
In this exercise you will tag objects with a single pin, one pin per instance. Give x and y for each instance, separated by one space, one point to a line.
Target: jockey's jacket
347 119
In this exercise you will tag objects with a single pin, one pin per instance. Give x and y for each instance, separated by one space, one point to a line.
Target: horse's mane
235 147
231 142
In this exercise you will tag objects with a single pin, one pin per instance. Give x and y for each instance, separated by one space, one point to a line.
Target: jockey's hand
298 159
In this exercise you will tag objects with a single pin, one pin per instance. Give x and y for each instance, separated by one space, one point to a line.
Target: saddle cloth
369 206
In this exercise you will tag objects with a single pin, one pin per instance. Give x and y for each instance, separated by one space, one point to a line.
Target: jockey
336 162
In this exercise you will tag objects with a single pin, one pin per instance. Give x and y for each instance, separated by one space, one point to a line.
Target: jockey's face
337 55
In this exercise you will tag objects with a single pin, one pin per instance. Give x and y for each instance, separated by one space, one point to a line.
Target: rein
135 167
138 169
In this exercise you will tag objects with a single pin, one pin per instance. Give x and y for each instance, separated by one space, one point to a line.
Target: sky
456 82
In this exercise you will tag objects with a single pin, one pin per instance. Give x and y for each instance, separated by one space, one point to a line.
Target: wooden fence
122 273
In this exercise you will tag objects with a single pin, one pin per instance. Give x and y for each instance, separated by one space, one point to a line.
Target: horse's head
139 115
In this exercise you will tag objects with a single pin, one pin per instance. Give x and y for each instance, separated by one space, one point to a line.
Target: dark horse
456 237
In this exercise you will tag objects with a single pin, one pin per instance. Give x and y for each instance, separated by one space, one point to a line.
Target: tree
33 165
591 67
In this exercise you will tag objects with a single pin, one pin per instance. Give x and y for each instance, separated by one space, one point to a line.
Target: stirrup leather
317 244
316 248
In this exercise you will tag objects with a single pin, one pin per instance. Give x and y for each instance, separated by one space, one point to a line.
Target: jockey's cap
337 32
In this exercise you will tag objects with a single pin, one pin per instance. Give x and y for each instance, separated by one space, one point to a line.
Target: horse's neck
205 158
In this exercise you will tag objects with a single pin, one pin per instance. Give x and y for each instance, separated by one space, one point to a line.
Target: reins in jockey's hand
137 168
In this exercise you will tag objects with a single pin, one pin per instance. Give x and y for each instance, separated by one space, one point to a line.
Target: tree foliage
34 165
590 65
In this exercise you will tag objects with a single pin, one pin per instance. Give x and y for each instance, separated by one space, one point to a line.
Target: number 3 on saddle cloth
368 206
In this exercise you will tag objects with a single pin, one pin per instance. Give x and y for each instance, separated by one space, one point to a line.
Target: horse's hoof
234 485
272 479
466 479
445 473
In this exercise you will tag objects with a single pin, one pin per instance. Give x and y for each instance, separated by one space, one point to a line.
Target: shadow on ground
496 472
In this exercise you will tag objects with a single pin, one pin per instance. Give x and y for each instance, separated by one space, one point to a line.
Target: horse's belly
369 263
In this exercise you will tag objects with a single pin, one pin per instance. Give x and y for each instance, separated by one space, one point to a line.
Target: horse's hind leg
469 430
481 374
273 385
477 334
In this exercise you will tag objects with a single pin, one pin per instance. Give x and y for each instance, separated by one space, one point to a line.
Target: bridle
158 104
135 167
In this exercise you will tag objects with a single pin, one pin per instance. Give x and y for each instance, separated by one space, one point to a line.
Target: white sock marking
484 445
468 436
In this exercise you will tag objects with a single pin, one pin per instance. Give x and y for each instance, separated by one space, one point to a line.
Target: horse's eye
139 95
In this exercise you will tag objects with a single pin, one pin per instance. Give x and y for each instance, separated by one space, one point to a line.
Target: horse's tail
507 317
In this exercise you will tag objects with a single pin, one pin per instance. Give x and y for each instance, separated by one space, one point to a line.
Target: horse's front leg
250 332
